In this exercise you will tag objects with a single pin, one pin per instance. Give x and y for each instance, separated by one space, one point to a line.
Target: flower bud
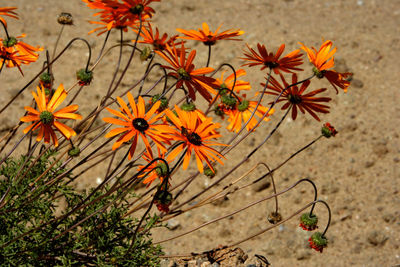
65 18
209 172
188 106
163 100
84 76
145 54
328 130
308 221
274 217
318 242
74 152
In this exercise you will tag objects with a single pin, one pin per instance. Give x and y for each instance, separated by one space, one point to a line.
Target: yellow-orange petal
64 129
117 122
55 97
115 132
30 118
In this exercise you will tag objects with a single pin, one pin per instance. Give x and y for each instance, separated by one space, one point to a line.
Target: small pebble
173 224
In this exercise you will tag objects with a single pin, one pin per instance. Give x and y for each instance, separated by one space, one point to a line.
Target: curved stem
239 210
273 184
44 68
5 29
289 158
329 215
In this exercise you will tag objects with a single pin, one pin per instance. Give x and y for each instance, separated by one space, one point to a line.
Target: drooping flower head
184 70
46 117
138 123
296 97
308 222
227 83
208 37
196 137
158 169
14 52
323 60
242 113
328 130
318 242
288 63
7 11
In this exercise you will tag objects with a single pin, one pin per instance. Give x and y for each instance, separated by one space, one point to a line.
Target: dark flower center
318 73
295 99
210 40
46 117
271 64
194 138
183 75
137 10
140 124
158 45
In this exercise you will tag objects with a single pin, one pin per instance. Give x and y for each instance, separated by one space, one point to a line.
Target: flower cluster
157 132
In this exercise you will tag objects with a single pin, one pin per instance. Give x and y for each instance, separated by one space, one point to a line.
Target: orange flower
222 84
295 98
22 48
186 74
288 63
112 21
11 59
243 111
110 16
132 10
7 11
208 37
154 39
46 118
323 60
191 107
157 169
138 123
195 137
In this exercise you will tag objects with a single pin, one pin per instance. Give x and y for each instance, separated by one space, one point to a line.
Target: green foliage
48 223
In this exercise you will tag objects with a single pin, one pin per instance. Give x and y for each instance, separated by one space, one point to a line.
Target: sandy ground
357 172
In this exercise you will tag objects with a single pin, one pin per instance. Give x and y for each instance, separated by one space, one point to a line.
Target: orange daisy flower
288 63
191 107
184 71
295 97
7 11
158 43
132 10
138 123
46 117
22 48
118 15
112 21
323 60
227 83
10 58
208 37
195 137
157 169
243 111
